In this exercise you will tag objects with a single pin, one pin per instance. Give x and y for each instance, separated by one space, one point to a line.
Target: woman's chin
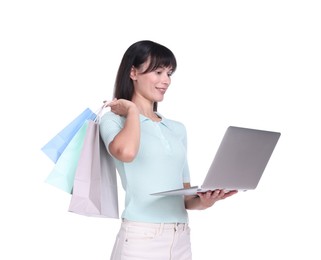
159 99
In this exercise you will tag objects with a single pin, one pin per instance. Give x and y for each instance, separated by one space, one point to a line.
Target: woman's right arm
125 145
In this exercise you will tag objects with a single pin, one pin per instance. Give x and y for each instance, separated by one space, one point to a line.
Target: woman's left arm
205 200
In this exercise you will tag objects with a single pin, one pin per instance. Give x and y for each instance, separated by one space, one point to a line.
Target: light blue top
161 164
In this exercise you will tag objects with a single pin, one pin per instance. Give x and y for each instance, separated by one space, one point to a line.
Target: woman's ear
133 73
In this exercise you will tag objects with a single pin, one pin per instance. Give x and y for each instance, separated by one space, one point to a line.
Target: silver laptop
239 161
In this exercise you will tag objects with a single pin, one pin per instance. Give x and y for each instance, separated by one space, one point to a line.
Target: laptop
239 161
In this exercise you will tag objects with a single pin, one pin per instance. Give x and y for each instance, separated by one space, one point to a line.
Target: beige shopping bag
95 183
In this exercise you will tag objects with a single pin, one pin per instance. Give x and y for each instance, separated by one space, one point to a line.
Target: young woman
149 151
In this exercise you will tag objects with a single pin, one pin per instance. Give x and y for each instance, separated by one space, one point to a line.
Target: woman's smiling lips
162 90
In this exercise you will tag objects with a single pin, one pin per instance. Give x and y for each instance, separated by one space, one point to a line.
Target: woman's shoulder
111 116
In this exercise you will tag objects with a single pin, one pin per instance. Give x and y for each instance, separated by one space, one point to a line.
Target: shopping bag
55 147
63 174
95 183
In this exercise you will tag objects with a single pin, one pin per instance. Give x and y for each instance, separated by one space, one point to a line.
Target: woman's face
153 85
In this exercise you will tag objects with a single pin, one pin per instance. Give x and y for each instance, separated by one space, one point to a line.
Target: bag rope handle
100 110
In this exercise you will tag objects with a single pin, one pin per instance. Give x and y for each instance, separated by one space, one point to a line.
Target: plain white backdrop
246 63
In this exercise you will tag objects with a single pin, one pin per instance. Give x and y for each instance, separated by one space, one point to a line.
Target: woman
149 151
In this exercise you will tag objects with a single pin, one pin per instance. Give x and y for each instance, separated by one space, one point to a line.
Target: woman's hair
137 54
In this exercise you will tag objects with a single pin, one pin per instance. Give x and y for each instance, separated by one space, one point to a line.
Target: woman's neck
148 112
146 108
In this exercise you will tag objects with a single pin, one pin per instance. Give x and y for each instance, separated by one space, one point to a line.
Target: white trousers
152 241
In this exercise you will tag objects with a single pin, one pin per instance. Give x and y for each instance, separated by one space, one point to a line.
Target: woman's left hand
207 199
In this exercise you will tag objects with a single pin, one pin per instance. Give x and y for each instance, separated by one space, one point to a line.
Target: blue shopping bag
55 147
63 174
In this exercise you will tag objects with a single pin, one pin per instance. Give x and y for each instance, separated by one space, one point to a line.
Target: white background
247 63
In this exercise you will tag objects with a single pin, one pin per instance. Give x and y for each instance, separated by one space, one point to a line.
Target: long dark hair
136 55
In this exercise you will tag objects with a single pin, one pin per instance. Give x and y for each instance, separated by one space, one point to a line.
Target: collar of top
163 119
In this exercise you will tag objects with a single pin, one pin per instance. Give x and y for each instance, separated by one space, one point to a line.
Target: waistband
162 226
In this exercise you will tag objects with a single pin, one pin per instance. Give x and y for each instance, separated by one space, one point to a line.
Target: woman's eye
159 72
